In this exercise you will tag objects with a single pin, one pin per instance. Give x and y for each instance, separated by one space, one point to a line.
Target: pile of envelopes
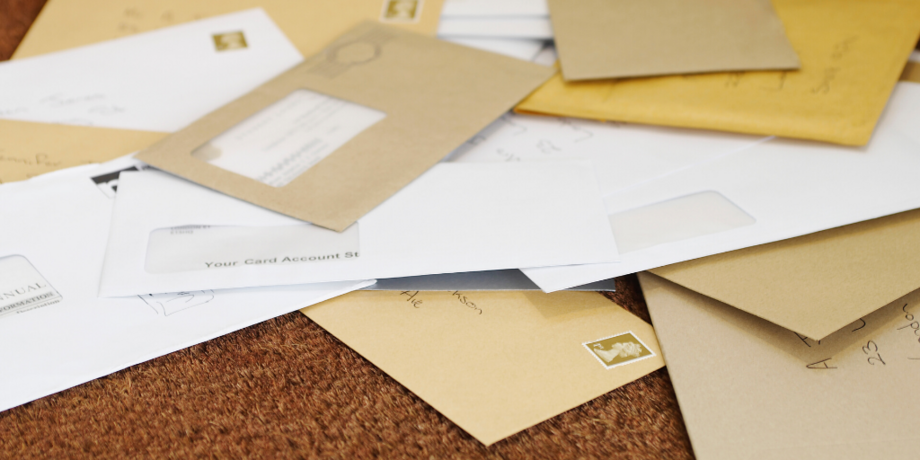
441 185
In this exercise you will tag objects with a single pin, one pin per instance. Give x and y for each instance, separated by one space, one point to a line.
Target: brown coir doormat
288 389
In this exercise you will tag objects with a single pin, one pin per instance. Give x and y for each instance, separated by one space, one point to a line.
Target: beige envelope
852 52
495 363
309 24
30 149
814 284
746 393
624 38
435 95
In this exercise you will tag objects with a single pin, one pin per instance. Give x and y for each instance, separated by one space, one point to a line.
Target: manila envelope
852 52
420 98
813 284
31 149
747 391
495 363
624 38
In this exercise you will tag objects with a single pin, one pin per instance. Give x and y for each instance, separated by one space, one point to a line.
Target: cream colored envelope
749 389
852 52
495 363
396 103
623 38
309 24
814 284
30 149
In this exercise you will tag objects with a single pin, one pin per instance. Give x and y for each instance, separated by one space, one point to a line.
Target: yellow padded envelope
852 53
30 149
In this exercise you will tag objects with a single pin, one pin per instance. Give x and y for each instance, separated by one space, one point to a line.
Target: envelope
489 8
156 81
526 49
851 51
823 276
493 280
769 192
370 118
310 25
496 27
621 38
624 155
55 333
172 235
495 363
745 393
67 23
31 149
101 85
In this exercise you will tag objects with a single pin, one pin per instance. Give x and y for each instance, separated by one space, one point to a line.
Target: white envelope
746 393
623 155
496 27
453 8
153 81
55 333
771 191
171 235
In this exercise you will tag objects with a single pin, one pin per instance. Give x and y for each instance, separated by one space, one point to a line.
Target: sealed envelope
749 389
851 51
332 138
495 363
624 38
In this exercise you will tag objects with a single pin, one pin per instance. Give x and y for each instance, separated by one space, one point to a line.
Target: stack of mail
187 169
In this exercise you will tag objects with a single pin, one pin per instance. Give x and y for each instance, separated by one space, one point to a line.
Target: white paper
496 27
789 188
454 218
453 8
154 81
55 245
745 392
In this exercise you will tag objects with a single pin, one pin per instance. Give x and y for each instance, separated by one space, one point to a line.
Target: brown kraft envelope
813 284
495 363
746 393
435 95
30 149
625 38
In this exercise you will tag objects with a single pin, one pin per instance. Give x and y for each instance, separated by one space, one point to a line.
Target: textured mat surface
286 388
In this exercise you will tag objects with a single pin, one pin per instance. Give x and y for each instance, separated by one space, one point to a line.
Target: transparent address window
283 140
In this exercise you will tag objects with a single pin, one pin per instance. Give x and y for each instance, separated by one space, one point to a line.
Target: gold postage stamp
229 41
401 11
619 349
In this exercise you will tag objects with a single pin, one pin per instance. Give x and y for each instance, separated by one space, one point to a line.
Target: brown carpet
286 388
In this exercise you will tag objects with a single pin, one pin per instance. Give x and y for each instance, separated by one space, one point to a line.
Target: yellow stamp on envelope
619 349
